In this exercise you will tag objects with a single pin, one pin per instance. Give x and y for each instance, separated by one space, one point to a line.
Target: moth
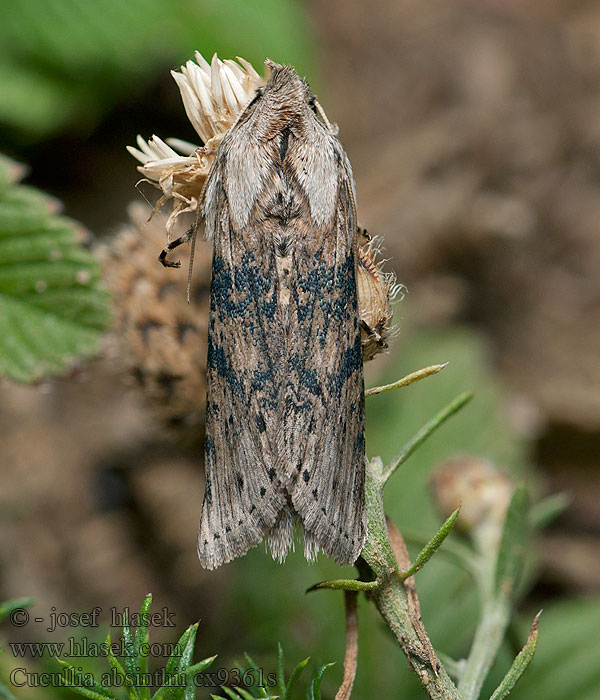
285 403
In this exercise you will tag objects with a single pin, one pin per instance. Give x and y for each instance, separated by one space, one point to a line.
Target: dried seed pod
376 291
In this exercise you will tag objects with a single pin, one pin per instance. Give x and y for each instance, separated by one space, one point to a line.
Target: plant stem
391 602
495 617
390 596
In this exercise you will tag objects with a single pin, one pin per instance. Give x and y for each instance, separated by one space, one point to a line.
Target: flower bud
484 492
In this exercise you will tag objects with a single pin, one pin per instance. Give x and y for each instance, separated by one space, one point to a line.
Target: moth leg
372 334
172 245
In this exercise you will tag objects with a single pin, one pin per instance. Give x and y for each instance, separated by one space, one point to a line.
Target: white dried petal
213 96
182 146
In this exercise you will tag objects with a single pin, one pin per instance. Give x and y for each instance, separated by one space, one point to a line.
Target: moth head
284 101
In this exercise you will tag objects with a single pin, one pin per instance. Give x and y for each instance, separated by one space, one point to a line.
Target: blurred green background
473 132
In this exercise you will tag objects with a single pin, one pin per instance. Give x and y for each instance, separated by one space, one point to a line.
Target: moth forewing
285 414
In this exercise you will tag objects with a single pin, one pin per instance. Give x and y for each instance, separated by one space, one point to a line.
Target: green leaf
407 380
432 546
82 684
280 669
15 604
178 664
511 555
344 584
546 511
85 692
173 662
566 660
520 664
51 307
313 692
230 693
293 679
141 647
129 651
5 693
120 671
188 649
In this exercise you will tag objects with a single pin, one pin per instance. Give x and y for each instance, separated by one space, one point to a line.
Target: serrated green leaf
515 534
51 307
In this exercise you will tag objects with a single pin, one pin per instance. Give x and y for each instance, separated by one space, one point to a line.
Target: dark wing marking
243 495
324 400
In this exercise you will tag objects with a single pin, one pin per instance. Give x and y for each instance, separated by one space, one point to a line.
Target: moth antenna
323 115
192 250
351 195
193 232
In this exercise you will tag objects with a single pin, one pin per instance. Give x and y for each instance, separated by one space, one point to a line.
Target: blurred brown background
474 133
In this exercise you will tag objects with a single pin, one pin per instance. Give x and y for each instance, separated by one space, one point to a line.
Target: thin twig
351 657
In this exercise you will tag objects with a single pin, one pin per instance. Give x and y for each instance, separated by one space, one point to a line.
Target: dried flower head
213 96
376 290
161 341
484 492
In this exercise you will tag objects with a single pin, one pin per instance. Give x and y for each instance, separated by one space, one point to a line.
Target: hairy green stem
390 596
495 617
